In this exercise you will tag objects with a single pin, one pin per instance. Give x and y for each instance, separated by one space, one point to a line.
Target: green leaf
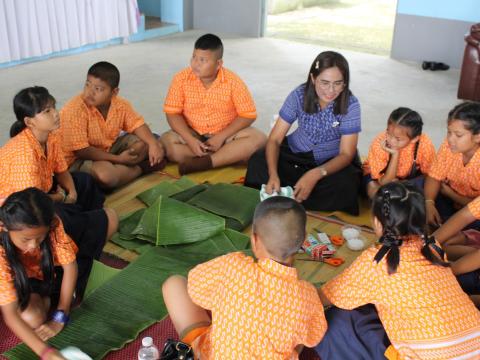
229 201
165 188
170 222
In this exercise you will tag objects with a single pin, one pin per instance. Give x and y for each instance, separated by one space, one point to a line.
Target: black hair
210 42
281 224
107 72
28 208
469 113
28 103
400 208
407 118
326 60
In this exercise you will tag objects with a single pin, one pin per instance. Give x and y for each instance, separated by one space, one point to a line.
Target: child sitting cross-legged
260 309
422 311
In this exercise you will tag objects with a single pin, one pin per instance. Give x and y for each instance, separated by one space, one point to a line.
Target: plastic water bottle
148 351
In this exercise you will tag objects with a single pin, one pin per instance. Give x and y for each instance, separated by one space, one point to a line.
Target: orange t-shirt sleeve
317 325
63 248
175 100
132 119
74 127
426 155
356 285
204 280
8 294
27 173
243 100
377 157
439 167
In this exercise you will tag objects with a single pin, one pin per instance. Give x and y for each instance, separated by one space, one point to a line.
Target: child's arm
155 150
178 124
24 332
391 172
432 187
455 224
446 190
217 140
469 262
65 180
69 281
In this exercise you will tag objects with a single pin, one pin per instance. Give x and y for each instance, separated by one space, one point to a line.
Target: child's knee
112 222
35 314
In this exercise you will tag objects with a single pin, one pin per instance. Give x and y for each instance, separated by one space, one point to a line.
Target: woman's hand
49 329
55 355
273 184
305 185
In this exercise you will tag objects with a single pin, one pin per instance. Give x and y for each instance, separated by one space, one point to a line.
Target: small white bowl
350 232
356 244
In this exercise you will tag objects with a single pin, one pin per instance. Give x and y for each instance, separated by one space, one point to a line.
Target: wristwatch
59 316
323 171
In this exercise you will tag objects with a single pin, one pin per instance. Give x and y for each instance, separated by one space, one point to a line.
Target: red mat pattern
160 331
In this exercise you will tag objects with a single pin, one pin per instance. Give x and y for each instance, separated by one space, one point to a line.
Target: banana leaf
165 188
99 275
230 201
116 312
186 195
170 222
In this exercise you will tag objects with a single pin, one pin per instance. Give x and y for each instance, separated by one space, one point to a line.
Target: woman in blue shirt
319 159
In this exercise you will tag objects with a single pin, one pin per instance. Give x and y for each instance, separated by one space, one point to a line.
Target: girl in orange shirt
454 177
402 152
32 244
33 158
422 310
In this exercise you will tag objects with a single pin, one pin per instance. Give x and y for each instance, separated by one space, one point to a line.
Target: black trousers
338 191
86 223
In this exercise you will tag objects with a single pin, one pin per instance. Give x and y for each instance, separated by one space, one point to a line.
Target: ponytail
16 128
390 242
428 244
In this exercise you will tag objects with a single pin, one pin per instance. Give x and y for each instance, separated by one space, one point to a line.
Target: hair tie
317 65
388 241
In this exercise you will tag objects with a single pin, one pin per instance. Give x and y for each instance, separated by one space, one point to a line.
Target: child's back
259 310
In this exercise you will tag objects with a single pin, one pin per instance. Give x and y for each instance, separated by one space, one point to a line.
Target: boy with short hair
91 123
260 310
210 110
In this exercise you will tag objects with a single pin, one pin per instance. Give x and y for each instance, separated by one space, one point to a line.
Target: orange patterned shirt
377 159
422 307
464 179
260 310
23 163
63 251
209 111
83 126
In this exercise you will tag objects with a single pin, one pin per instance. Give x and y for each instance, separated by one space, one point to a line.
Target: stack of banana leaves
187 216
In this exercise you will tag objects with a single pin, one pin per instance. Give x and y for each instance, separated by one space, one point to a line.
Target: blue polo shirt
319 132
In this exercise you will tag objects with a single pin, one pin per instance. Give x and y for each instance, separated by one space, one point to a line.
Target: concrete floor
270 67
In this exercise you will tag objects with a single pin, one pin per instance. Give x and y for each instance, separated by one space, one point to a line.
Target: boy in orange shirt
210 110
91 124
260 309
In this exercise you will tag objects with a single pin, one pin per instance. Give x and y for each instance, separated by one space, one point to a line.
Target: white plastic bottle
148 351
